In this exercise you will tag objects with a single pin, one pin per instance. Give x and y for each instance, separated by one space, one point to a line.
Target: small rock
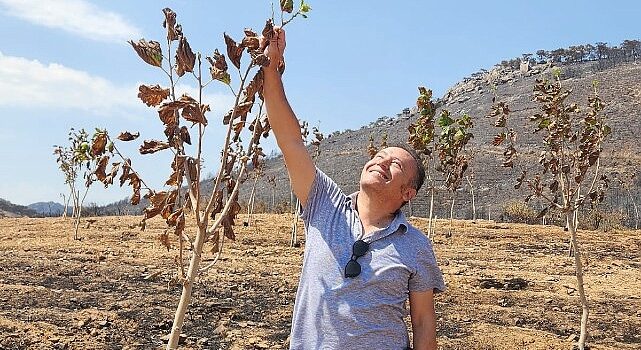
103 323
82 323
220 330
571 337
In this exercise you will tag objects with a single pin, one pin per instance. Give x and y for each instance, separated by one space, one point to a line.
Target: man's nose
385 162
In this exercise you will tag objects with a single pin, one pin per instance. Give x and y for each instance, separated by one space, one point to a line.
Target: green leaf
304 8
444 120
287 6
459 135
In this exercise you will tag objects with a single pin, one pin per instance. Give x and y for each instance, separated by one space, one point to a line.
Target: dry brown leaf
255 86
251 42
152 95
101 168
184 135
127 136
185 57
150 52
126 169
152 146
218 68
112 173
180 225
135 183
170 24
99 143
240 111
234 51
168 112
173 218
192 112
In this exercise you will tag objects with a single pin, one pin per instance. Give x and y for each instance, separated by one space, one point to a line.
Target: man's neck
375 212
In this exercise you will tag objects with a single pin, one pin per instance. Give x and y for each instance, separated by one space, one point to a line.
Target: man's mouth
382 174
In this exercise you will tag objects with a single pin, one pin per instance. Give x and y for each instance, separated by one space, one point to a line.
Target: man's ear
409 193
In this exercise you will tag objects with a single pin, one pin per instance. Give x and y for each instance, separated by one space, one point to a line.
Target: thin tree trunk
636 210
579 279
79 212
452 213
473 203
274 199
185 297
250 203
429 223
66 201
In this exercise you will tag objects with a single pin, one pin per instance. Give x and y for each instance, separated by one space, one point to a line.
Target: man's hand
276 49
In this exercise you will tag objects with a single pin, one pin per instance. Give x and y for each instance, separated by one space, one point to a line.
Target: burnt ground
509 286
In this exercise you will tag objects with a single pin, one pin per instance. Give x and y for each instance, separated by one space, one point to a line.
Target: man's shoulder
417 236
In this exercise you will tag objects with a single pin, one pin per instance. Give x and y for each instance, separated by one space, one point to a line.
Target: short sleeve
323 194
427 275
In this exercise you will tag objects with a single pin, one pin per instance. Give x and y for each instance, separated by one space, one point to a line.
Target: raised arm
284 123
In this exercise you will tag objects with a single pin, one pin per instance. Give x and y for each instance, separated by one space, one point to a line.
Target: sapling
182 116
71 160
446 153
568 175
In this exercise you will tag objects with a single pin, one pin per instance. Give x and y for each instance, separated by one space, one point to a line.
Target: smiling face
391 173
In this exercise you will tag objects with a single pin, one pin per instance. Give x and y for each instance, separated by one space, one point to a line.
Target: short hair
419 177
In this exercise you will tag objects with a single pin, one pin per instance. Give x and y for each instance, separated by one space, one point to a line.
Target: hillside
48 208
344 154
10 210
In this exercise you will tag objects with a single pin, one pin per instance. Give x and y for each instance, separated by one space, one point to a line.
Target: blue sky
66 63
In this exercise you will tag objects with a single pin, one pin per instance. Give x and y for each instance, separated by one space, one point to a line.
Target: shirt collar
399 223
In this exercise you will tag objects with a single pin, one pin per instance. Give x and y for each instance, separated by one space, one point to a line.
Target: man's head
395 172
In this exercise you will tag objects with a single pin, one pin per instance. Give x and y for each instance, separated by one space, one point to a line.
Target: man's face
392 172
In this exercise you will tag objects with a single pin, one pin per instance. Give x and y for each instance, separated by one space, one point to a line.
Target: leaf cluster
571 145
447 148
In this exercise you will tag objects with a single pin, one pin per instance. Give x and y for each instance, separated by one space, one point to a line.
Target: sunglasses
353 268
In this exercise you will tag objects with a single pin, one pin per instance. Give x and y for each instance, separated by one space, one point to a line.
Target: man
362 258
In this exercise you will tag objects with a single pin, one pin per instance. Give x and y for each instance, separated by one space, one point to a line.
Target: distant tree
72 159
602 50
631 49
543 55
558 55
626 181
